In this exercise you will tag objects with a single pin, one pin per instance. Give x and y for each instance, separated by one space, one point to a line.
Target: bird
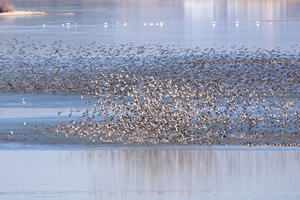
71 113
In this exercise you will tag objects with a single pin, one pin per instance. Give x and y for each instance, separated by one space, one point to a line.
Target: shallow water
187 23
150 174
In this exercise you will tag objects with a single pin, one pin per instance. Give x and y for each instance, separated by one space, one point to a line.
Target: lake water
44 167
188 23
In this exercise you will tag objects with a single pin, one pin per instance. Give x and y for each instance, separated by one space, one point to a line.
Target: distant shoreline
22 13
32 13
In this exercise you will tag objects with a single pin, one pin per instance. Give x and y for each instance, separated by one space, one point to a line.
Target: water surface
150 174
188 23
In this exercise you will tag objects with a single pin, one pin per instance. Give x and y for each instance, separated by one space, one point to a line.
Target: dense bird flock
164 94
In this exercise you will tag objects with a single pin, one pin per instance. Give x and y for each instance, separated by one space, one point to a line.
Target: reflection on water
185 22
189 171
148 174
243 10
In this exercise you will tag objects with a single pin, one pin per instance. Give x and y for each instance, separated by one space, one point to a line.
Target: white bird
23 101
44 25
125 24
25 124
11 132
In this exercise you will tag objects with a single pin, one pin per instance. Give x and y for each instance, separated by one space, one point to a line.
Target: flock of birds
68 24
237 23
147 24
164 94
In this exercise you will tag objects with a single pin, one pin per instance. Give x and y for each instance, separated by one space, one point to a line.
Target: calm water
150 174
185 22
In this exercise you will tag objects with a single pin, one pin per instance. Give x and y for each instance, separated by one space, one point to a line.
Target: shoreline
22 13
30 13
